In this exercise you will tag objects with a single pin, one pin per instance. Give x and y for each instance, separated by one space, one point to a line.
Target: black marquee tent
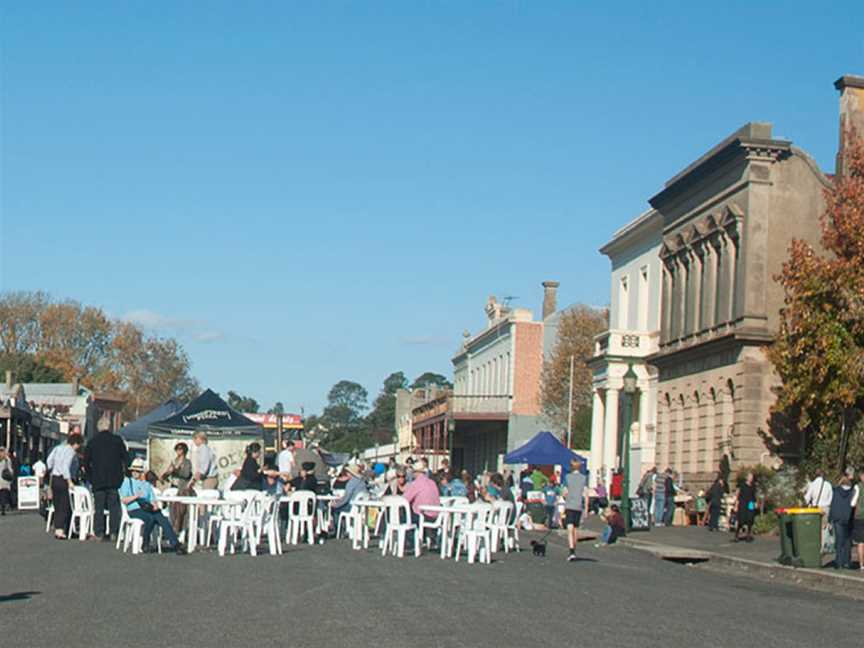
207 413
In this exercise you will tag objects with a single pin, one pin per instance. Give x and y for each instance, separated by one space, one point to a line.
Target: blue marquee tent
544 449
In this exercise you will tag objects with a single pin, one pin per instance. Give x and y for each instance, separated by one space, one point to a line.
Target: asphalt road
73 593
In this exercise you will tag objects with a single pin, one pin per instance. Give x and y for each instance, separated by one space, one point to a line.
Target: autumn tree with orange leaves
819 350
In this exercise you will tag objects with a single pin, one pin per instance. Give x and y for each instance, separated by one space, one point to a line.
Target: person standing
660 499
858 520
286 460
574 504
204 466
646 488
63 464
669 506
105 461
841 515
179 473
745 509
715 502
7 476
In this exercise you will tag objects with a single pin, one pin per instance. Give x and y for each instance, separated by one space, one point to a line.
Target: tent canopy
544 449
136 431
207 413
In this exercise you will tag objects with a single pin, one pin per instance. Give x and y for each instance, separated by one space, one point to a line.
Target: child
614 526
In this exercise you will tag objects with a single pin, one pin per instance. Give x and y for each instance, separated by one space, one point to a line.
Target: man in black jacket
106 460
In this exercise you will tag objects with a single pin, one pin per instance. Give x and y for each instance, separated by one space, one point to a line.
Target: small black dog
539 548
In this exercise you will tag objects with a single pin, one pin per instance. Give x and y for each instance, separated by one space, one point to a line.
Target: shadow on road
17 596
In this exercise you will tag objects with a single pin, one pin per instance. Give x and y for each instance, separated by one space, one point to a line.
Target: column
610 434
597 423
644 414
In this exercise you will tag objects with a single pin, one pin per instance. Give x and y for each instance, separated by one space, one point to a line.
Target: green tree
430 379
27 368
342 422
242 403
382 419
278 408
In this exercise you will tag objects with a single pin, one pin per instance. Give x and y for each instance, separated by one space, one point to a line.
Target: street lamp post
630 390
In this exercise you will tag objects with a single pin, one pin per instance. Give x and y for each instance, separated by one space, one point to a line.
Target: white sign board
28 494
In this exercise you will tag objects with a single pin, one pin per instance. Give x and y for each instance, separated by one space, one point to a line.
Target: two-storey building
634 323
495 406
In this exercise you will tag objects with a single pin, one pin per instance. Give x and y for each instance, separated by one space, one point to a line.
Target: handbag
7 475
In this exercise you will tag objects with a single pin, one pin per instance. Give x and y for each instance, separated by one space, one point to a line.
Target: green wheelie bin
806 526
784 523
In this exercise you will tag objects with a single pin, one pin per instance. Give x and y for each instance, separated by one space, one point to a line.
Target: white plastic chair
475 532
502 513
49 517
397 509
436 525
348 521
302 506
245 526
131 532
271 525
82 512
216 515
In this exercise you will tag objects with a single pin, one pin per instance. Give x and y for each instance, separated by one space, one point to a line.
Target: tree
576 330
819 350
430 379
382 419
27 368
45 340
278 408
342 418
242 403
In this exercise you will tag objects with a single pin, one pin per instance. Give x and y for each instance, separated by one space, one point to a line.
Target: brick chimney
550 297
851 89
8 379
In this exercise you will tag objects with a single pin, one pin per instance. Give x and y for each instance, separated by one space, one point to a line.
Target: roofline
643 220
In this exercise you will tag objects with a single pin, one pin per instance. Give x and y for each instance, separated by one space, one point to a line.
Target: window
623 302
643 298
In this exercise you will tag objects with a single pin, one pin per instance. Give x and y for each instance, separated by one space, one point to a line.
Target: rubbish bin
784 523
806 547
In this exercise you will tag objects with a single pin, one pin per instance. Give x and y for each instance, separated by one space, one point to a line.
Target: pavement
715 550
75 593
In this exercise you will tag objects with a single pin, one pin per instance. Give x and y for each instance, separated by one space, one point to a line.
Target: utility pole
570 407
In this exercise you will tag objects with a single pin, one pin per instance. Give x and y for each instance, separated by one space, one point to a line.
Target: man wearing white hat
140 501
353 488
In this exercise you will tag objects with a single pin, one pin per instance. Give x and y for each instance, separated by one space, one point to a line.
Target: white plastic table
192 503
359 522
449 513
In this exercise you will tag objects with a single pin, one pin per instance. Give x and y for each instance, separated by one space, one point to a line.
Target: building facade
633 335
495 406
727 221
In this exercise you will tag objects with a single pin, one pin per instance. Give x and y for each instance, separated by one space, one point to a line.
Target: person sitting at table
456 487
305 480
249 475
341 480
396 486
470 486
353 488
423 491
138 497
270 484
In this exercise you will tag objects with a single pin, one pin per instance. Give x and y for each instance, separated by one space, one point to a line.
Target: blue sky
306 192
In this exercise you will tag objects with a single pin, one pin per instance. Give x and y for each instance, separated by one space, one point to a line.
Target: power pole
570 407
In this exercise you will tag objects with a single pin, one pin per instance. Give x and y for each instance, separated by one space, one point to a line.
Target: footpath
757 559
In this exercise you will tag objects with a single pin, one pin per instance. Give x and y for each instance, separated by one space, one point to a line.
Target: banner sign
230 452
269 420
639 517
28 493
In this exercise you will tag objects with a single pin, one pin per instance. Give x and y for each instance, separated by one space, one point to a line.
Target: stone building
633 335
727 220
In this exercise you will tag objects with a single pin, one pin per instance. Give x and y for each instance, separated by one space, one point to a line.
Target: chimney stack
851 89
550 297
8 379
76 385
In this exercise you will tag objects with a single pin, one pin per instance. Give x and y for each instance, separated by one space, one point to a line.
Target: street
89 594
